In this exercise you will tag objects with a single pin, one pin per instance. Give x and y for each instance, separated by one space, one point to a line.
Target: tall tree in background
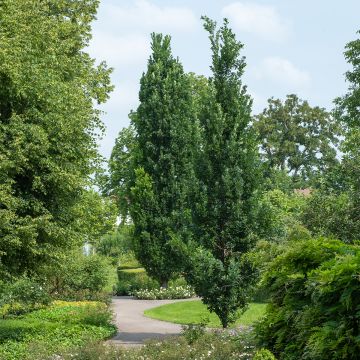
228 175
297 139
118 182
348 112
166 137
48 127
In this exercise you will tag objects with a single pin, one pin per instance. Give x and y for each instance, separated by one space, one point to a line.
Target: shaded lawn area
195 312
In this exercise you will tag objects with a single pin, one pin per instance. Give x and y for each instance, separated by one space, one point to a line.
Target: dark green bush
131 280
314 302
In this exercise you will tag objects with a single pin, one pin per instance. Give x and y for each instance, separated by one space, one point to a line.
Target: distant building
304 192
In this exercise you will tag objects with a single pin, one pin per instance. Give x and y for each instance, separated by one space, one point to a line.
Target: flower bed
177 292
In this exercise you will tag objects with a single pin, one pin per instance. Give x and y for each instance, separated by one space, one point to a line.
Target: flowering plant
176 292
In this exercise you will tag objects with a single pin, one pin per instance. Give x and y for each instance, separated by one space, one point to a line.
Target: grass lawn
131 271
194 312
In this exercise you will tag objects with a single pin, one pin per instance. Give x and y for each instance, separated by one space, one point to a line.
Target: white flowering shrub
176 292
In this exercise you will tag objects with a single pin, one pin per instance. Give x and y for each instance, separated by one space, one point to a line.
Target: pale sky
291 46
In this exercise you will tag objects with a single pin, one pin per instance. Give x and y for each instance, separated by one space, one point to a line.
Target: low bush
22 296
131 280
172 292
264 354
212 346
63 325
313 312
193 332
80 277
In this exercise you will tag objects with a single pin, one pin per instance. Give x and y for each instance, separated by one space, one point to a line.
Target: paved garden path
133 327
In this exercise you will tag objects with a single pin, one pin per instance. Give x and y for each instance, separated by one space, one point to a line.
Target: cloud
124 97
148 16
262 20
131 49
284 72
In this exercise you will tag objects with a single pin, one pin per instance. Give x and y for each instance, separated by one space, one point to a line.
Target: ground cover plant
213 346
195 312
53 329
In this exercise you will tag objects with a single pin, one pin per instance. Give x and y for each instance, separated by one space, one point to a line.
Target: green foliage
171 292
332 214
279 216
96 216
348 111
63 325
79 277
193 332
212 346
166 138
116 245
297 138
128 261
313 312
227 173
131 280
48 127
264 354
121 171
21 296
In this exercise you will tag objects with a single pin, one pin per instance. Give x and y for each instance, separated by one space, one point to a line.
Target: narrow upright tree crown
227 173
165 127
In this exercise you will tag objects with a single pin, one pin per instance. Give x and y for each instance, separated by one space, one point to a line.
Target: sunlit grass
195 312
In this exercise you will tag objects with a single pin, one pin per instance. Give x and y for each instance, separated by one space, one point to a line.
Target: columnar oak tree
48 127
227 172
165 134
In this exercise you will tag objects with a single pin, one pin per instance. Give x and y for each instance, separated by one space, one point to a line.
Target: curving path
134 328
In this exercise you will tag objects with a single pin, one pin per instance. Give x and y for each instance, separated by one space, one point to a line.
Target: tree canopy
297 138
48 127
165 134
227 172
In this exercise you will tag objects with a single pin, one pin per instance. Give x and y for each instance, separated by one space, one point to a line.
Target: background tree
228 178
297 138
118 182
48 127
166 131
348 112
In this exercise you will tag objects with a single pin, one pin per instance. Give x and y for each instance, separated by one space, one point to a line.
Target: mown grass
195 312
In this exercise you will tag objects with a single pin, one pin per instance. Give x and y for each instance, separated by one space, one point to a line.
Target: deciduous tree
228 176
166 130
297 138
48 127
